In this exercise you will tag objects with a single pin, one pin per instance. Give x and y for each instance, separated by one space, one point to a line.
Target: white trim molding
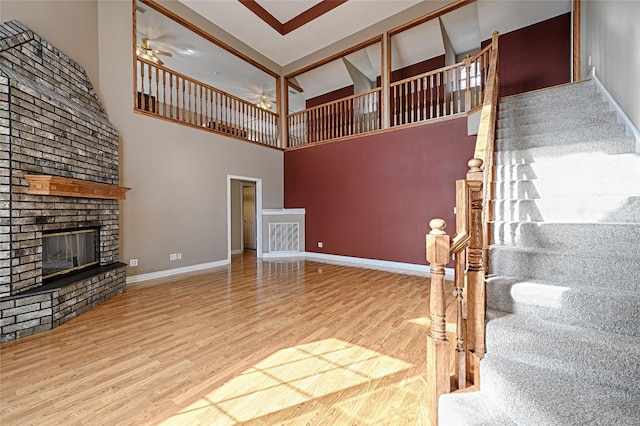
384 265
270 212
176 271
631 130
258 182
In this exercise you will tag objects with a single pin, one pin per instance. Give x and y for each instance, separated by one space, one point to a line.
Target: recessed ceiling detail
296 22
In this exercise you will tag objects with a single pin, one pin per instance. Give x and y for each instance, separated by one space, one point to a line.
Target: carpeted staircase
563 297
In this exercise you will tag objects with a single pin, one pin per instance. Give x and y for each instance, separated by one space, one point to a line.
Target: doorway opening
244 215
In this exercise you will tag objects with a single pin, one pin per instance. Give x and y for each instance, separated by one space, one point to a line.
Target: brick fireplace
52 126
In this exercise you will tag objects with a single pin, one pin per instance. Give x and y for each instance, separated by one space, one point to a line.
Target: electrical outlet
133 262
320 245
179 256
173 256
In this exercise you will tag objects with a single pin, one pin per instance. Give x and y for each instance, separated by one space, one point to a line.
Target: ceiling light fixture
145 51
264 103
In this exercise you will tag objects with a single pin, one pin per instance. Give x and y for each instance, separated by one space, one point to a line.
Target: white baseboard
176 271
384 265
237 251
631 130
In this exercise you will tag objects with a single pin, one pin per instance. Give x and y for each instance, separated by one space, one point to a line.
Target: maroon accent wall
330 97
536 56
419 68
373 196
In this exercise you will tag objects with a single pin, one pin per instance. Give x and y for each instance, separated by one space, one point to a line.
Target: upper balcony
417 72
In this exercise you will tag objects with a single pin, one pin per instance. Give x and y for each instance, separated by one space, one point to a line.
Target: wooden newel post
475 275
438 349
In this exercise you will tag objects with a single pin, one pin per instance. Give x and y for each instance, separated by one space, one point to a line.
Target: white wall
178 174
611 36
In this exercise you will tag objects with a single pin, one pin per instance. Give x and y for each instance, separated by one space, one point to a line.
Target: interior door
249 216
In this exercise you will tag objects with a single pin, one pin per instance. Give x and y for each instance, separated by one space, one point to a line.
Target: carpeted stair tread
512 117
595 132
533 395
568 94
624 209
619 238
471 409
610 146
579 165
557 124
574 305
569 268
609 359
596 184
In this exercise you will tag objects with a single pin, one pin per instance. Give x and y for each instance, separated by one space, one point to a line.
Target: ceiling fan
145 51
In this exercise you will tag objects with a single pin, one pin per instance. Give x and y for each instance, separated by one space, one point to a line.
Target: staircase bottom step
470 409
532 395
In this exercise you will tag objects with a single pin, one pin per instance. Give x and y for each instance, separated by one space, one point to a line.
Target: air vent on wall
284 237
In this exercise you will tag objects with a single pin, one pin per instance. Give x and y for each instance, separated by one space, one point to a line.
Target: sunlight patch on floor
405 394
290 377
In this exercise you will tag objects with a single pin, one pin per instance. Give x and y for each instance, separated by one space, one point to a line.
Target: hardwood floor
256 343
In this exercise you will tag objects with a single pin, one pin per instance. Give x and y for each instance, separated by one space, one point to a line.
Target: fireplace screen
68 251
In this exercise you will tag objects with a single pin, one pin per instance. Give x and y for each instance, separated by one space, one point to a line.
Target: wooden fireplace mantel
56 185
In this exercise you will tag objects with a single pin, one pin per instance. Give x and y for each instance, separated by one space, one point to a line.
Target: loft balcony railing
440 93
175 97
356 114
448 91
445 92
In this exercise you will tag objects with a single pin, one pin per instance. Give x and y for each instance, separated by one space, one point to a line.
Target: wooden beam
67 187
576 40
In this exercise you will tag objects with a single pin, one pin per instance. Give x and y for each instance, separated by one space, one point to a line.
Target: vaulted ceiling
315 24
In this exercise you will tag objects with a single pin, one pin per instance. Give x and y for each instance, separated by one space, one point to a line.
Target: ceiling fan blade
160 52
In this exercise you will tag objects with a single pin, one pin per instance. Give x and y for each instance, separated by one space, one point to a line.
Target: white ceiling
333 26
465 27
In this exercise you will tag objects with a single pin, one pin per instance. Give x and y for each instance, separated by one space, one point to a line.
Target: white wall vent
284 237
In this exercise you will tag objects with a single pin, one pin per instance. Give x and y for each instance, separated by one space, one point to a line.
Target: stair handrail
469 247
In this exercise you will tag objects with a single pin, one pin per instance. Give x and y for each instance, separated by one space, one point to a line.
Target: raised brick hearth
51 123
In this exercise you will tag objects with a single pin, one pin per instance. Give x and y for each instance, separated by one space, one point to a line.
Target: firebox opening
68 251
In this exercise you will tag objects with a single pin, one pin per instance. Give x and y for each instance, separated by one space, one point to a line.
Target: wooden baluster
148 105
438 350
358 114
412 101
458 293
467 90
340 123
332 109
323 123
140 102
201 104
156 108
438 101
190 94
450 83
431 96
394 106
475 275
164 93
405 112
179 97
423 96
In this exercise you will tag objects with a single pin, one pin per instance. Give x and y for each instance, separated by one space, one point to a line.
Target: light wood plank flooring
256 343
